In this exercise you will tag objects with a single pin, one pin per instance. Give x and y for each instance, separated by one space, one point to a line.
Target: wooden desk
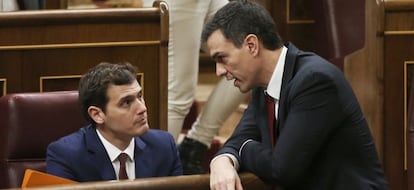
49 50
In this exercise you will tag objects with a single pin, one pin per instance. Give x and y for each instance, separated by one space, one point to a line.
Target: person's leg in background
9 5
186 22
223 100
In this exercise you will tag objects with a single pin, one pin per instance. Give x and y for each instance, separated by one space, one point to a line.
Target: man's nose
220 70
141 105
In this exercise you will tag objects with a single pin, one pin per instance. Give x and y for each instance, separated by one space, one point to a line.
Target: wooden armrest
185 182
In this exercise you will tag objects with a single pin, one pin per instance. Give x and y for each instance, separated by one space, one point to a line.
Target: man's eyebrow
130 96
215 55
126 98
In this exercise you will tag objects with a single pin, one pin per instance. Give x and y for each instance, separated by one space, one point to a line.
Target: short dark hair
239 18
94 84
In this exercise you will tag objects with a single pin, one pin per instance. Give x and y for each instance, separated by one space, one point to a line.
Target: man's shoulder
157 136
156 133
74 138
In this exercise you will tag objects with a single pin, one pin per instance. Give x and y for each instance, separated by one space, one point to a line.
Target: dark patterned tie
271 116
122 168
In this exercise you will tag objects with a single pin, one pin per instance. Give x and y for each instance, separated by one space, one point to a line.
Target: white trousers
187 18
222 102
8 5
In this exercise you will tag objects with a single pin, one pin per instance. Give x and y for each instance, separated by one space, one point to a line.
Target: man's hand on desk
223 175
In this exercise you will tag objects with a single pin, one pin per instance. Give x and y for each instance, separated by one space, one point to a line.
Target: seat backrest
340 28
28 123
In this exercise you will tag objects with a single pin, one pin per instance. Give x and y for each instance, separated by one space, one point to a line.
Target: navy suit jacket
323 142
82 157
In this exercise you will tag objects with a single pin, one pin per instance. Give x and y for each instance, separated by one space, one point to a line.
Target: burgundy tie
122 168
271 116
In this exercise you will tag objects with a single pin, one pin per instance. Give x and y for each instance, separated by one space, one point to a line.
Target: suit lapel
288 72
98 156
143 161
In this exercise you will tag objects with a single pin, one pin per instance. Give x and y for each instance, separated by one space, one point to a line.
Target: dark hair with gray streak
240 18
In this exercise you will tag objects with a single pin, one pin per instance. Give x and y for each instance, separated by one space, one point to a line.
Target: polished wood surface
398 51
398 5
186 182
60 45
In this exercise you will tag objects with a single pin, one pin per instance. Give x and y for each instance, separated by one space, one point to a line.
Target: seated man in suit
111 100
303 128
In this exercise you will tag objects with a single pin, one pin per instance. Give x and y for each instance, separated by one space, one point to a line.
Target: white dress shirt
113 153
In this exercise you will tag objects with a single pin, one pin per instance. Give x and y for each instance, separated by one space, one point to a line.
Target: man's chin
145 127
142 129
243 90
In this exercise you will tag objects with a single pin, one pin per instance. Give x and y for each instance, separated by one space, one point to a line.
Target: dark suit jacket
324 142
82 157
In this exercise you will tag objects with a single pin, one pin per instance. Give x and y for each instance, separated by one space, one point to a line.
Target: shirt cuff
236 164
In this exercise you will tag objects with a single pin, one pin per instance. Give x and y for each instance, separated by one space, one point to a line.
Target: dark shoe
192 154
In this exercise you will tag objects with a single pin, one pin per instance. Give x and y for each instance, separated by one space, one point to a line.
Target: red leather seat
28 123
340 28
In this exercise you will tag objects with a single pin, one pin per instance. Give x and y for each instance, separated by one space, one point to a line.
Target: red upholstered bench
28 123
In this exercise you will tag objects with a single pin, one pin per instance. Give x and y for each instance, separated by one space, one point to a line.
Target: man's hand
223 176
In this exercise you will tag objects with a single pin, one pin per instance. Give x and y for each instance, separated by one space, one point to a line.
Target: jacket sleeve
177 168
246 129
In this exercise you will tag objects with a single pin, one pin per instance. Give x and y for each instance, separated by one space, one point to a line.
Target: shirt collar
113 151
275 83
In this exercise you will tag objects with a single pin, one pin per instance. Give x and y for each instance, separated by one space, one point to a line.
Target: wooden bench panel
64 44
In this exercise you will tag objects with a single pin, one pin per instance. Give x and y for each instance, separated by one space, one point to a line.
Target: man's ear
252 43
96 114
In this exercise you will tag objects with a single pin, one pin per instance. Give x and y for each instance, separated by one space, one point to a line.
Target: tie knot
122 158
